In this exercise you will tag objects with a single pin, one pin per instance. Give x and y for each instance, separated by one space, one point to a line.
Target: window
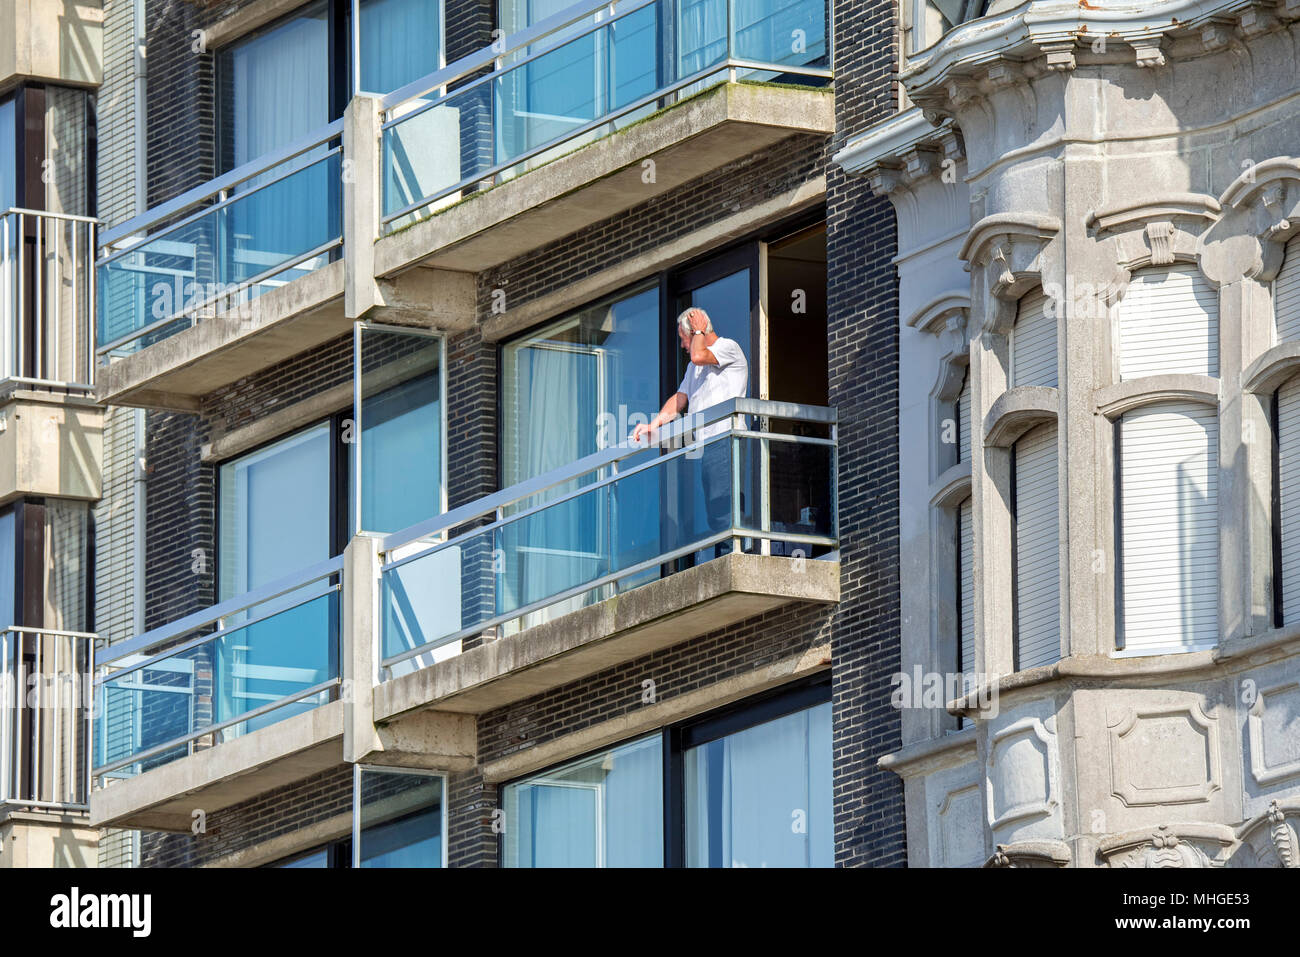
963 419
1168 323
275 519
1286 293
745 786
1167 527
399 41
966 589
1037 548
1287 504
1033 342
602 811
400 819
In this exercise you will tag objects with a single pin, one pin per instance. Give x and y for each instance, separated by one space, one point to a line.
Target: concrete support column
360 662
362 199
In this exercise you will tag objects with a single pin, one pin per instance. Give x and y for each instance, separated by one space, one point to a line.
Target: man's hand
699 321
643 429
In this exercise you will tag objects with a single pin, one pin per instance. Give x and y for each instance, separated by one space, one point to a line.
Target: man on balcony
718 371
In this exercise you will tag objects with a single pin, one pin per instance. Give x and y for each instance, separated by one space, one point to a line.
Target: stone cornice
901 151
1049 35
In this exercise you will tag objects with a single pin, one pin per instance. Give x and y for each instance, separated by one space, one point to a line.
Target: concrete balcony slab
673 610
605 177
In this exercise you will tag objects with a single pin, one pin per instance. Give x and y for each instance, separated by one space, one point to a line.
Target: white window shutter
1288 473
1169 526
1286 293
963 420
1168 322
1037 568
966 584
1033 343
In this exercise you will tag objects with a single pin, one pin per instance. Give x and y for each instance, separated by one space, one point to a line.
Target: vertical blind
1169 535
966 584
1286 293
1288 460
1168 322
1033 342
1037 568
963 421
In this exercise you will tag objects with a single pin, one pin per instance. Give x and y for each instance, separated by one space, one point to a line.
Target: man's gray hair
684 320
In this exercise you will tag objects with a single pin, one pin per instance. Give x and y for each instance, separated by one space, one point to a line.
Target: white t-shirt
707 385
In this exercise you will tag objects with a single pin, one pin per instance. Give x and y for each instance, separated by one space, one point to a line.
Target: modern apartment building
50 427
382 288
1098 208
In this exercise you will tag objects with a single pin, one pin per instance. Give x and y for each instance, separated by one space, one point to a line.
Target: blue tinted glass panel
400 42
602 811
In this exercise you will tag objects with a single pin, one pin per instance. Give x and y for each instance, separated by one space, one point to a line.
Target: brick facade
862 332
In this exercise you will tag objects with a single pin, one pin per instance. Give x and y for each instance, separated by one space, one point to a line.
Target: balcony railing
47 299
217 247
564 79
613 520
45 718
240 665
572 77
756 476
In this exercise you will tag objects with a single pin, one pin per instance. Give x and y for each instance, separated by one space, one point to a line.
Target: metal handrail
214 613
671 433
226 181
467 66
79 774
44 298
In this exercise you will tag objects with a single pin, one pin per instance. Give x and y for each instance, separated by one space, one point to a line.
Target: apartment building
50 428
382 288
1098 263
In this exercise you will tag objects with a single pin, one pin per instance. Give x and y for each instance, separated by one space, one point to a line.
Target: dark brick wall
705 200
270 815
863 356
180 558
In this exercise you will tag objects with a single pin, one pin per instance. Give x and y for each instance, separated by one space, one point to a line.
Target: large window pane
762 797
602 811
274 521
400 819
400 40
401 429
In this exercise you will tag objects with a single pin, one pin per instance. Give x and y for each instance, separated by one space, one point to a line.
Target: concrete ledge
1115 400
932 754
1267 373
952 487
597 180
1018 410
165 798
655 616
175 372
654 716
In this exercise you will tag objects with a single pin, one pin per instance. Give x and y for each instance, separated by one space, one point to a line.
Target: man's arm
701 355
674 407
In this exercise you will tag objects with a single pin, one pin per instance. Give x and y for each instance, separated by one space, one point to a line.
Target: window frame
792 698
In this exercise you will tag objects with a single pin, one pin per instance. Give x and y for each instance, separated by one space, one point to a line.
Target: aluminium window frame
717 724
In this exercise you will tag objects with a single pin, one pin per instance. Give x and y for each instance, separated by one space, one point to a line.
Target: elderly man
718 372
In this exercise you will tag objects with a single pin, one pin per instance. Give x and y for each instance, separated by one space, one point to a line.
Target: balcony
383 654
45 729
51 430
498 153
